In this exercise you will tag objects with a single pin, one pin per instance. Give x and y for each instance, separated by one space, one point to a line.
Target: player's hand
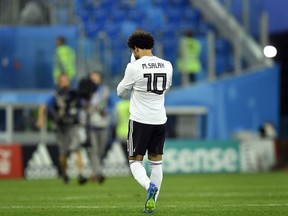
40 123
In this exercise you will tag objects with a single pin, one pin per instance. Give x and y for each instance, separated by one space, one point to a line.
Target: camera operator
96 118
63 108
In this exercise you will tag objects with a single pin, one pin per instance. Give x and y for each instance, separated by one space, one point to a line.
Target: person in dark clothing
63 108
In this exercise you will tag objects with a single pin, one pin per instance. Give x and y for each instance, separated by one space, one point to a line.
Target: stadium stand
98 31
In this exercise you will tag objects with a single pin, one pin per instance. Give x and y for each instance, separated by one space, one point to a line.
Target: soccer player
147 80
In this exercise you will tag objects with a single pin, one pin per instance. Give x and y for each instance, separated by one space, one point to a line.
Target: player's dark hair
140 39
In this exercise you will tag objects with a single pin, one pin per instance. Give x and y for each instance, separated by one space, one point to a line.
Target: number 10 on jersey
156 83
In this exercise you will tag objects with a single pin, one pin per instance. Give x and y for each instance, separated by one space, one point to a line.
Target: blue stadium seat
88 6
174 15
170 47
177 3
100 15
83 15
191 15
106 5
155 16
222 46
127 27
168 31
185 25
118 15
121 50
112 30
223 63
143 4
160 3
165 19
92 29
146 26
203 28
136 16
125 4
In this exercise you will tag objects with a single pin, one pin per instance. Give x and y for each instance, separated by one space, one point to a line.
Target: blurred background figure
34 13
188 61
122 120
97 122
63 108
268 131
64 60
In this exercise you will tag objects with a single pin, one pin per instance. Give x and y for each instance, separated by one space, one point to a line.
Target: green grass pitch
195 194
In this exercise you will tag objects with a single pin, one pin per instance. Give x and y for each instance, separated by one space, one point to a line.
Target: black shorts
142 137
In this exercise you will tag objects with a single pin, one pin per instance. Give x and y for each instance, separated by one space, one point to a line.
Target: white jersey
147 79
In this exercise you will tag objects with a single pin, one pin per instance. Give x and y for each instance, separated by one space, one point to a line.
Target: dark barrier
40 161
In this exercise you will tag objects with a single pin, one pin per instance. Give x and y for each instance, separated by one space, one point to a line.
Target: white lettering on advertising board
200 160
5 163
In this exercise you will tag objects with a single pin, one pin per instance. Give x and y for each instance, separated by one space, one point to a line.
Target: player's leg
156 176
136 146
63 153
103 134
155 152
74 147
63 167
138 171
95 155
79 167
78 161
102 142
138 138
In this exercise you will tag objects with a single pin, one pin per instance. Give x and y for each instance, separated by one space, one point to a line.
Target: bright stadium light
270 51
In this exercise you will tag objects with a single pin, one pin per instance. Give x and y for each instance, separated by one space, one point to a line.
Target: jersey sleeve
125 86
171 75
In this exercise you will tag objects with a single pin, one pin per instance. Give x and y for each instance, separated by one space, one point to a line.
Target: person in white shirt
96 118
146 80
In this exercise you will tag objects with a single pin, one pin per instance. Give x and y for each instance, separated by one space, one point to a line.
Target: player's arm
41 116
124 88
42 112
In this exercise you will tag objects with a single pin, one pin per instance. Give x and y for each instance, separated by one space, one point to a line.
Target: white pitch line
56 207
259 205
234 194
